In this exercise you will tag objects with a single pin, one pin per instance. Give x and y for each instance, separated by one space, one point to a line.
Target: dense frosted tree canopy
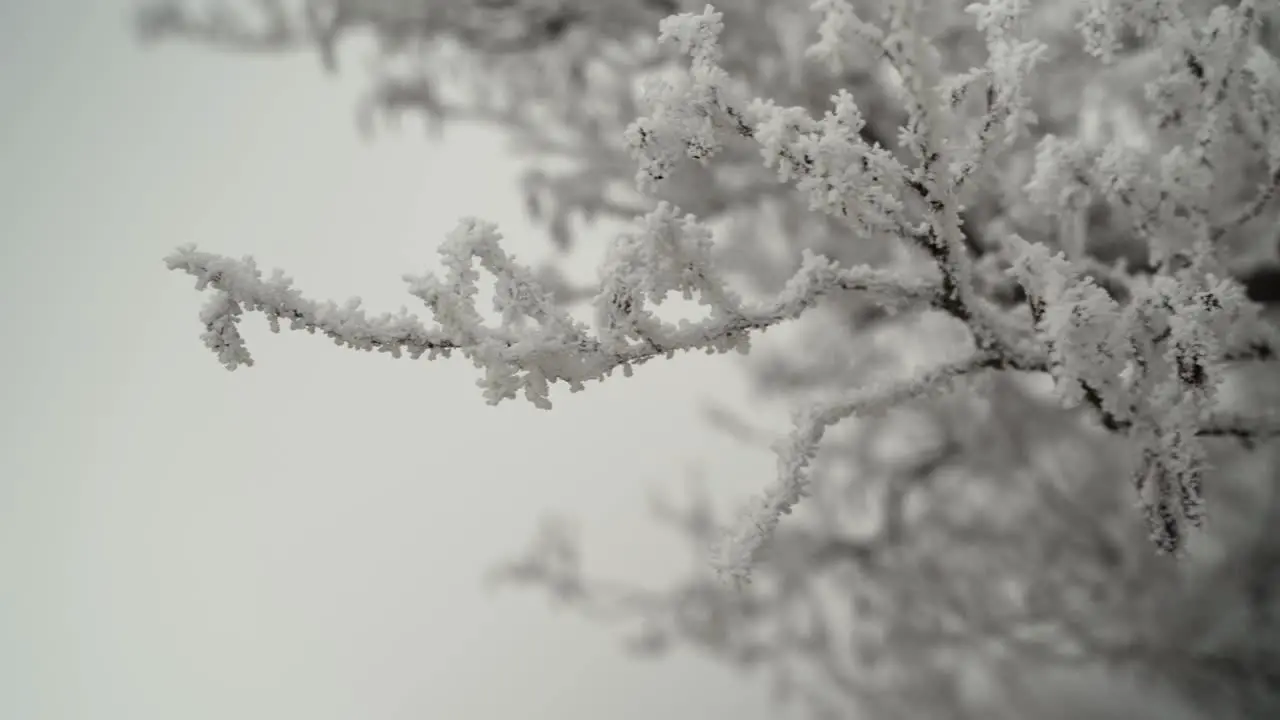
1064 211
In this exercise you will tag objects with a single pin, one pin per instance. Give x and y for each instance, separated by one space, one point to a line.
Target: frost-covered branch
796 452
537 343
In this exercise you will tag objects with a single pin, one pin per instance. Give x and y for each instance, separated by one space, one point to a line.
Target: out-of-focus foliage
967 553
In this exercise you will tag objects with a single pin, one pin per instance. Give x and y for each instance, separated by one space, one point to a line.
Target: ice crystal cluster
1148 361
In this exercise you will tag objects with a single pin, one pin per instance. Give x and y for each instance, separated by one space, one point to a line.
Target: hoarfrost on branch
1149 364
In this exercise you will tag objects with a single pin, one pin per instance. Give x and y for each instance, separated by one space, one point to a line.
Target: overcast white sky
304 538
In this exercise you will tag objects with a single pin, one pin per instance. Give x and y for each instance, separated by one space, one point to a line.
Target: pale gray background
304 538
